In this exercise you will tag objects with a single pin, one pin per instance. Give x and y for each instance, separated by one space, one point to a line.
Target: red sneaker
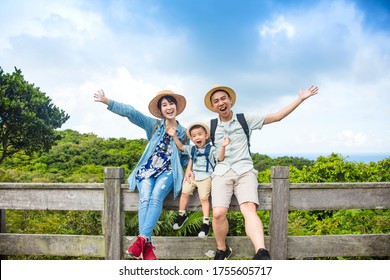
137 248
148 252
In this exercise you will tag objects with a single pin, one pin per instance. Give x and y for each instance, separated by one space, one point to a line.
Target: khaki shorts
204 188
243 186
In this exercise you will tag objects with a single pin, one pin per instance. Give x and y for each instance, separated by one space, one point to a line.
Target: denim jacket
178 160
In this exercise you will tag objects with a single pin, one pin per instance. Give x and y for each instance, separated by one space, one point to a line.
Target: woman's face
168 109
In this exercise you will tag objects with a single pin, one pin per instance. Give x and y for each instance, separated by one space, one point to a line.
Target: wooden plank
3 228
171 247
326 198
112 220
52 245
3 224
369 245
46 186
323 196
279 212
348 245
52 197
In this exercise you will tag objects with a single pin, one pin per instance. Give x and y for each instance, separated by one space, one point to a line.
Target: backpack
206 154
241 119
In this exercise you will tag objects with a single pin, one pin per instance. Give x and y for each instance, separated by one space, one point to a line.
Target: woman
160 169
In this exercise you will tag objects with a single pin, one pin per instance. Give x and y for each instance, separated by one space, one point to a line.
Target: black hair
211 95
170 99
195 127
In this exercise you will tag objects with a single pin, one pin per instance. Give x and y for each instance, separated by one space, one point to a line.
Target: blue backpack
205 154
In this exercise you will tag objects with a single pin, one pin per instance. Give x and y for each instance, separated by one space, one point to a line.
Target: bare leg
220 227
183 201
205 207
253 225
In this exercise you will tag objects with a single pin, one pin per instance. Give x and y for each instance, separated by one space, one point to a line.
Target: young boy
198 175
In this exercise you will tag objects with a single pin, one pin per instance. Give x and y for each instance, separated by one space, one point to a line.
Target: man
236 175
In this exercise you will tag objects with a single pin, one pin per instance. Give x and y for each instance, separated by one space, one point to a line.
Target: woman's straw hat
155 110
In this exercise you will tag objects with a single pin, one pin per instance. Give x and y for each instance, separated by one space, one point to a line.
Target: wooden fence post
3 227
279 212
112 214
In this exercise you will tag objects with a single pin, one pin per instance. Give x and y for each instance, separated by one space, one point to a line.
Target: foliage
264 162
54 222
344 221
28 119
75 157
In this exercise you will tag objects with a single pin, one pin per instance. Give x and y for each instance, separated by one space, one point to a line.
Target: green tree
28 119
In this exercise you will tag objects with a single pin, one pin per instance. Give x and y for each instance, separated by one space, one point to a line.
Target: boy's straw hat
206 127
155 111
215 88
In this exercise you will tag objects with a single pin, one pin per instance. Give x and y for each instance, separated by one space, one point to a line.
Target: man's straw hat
215 88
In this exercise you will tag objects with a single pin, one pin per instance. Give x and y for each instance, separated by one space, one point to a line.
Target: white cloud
49 19
278 26
350 138
119 86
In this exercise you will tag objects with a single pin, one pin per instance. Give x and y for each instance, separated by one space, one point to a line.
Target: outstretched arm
100 97
303 95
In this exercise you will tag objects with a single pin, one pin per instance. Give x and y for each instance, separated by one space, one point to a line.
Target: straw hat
205 126
155 111
215 88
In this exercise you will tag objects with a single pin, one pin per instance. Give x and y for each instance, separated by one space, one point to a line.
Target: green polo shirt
237 155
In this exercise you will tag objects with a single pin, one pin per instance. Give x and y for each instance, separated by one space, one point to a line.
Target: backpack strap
213 127
154 128
206 154
241 119
193 150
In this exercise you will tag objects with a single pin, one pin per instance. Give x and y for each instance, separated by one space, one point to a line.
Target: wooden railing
113 198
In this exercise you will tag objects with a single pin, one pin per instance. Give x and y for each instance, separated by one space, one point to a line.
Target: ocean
364 157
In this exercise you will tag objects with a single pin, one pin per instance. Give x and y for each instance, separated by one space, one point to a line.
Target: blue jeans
152 192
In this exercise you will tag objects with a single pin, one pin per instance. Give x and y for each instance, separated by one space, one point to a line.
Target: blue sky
265 50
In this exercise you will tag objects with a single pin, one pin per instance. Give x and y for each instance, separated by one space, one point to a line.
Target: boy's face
199 136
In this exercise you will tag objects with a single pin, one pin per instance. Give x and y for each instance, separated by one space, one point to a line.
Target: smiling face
198 136
167 106
222 104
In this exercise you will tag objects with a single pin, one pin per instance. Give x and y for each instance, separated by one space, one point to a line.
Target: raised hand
171 131
306 93
99 96
226 141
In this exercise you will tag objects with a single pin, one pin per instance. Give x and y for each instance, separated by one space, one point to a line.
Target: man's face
222 103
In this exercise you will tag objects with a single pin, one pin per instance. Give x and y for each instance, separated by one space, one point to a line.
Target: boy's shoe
180 221
137 248
223 255
204 231
262 254
148 252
